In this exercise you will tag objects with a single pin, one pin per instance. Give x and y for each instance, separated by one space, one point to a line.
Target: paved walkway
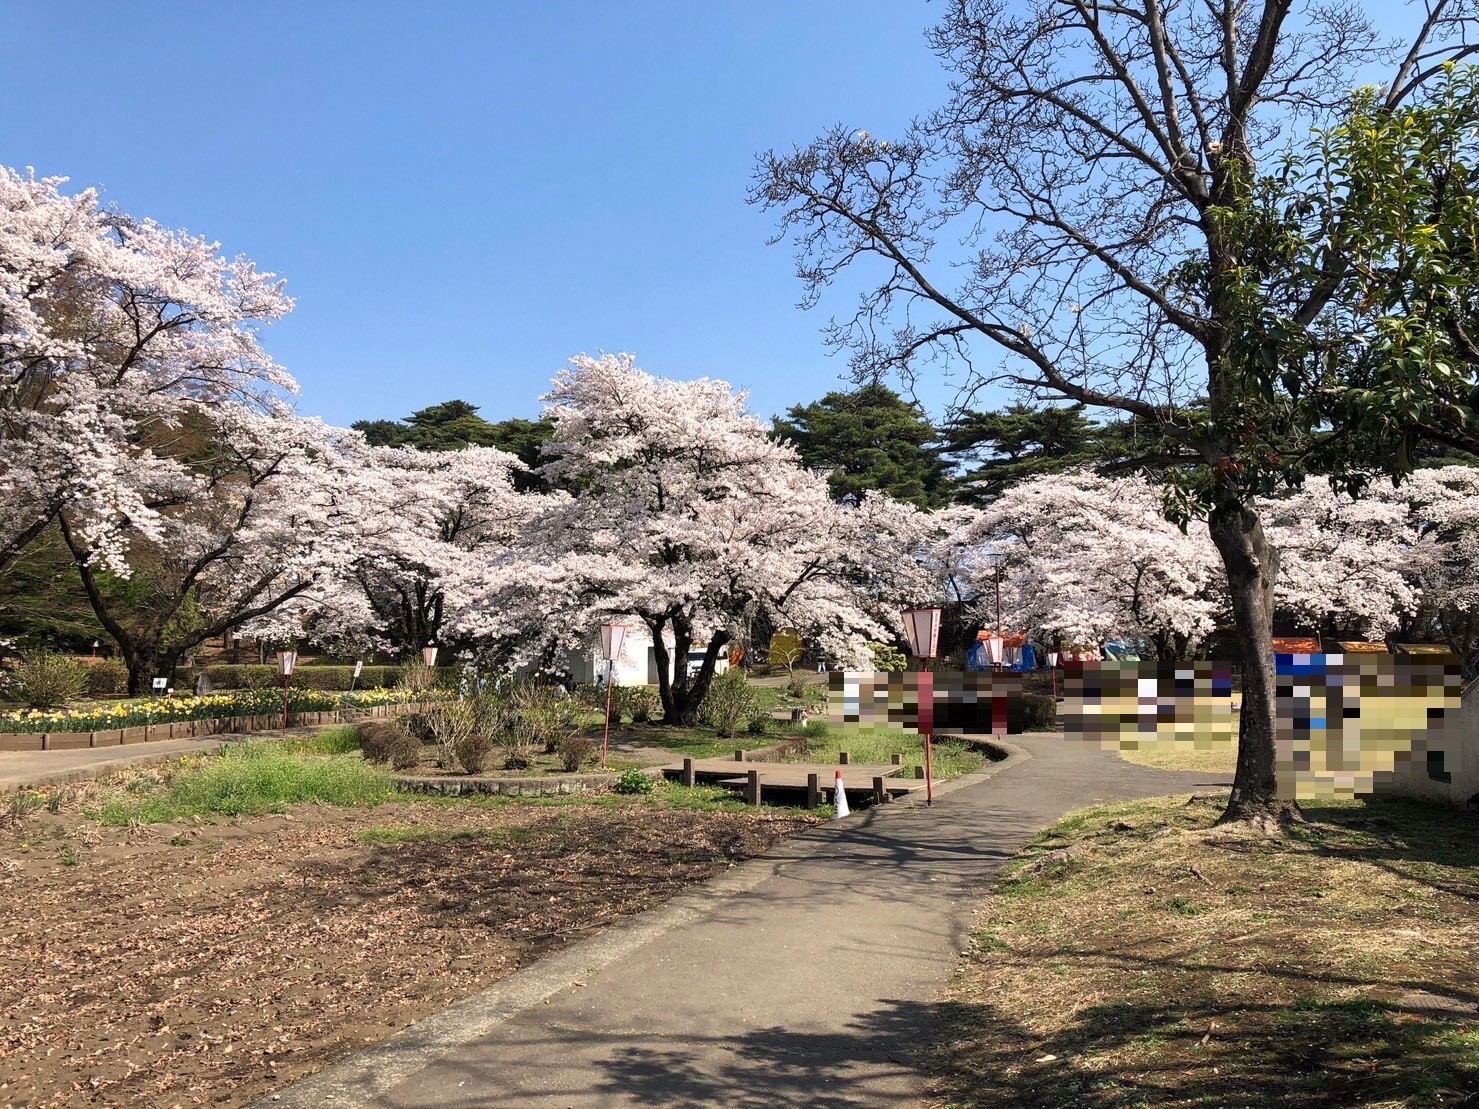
808 977
25 769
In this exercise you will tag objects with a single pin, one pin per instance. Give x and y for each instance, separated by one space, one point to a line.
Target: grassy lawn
1137 955
1222 760
698 742
266 776
876 746
252 779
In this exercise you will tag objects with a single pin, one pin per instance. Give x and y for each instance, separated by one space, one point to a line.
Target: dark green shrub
1037 712
575 752
642 704
815 729
759 724
729 703
405 751
472 750
376 740
390 743
887 658
621 702
46 680
334 679
107 677
634 781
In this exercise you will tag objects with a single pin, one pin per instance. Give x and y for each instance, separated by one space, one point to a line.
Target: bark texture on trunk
682 696
145 663
1252 566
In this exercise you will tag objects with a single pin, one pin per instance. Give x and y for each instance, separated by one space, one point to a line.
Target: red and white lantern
996 647
922 629
612 638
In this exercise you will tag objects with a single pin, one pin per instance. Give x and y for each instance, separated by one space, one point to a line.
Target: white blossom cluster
142 422
1088 558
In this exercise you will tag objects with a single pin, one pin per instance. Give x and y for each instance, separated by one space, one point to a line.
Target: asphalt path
807 977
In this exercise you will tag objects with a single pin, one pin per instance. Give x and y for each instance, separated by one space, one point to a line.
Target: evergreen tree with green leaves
870 438
455 424
998 449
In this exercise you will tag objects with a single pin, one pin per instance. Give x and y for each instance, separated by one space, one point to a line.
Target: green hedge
107 677
1033 712
332 678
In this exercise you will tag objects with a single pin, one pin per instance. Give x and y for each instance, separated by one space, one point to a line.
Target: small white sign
358 668
160 683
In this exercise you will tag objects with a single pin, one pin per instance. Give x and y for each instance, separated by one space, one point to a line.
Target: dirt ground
204 963
1138 955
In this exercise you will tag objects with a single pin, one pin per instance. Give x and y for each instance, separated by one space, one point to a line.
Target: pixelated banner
1343 719
1146 705
955 703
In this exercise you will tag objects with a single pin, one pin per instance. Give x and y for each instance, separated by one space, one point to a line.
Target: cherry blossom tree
687 517
1445 504
1086 558
1345 562
257 514
431 523
108 326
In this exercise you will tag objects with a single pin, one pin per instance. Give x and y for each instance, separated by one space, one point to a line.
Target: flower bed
168 710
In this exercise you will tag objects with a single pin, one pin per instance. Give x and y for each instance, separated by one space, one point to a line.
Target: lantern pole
612 638
606 735
285 661
922 626
429 657
998 598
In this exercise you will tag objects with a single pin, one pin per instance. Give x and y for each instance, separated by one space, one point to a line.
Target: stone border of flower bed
189 729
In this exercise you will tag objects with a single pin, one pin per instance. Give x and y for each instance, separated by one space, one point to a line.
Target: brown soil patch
1137 955
209 963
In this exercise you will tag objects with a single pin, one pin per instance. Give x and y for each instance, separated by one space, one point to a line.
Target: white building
637 663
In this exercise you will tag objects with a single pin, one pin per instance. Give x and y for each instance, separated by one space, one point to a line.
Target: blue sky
462 195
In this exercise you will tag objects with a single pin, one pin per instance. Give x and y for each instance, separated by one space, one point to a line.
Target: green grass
328 741
249 780
665 795
698 743
1107 978
876 746
701 798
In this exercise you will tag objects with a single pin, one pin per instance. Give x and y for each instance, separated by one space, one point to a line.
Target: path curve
807 977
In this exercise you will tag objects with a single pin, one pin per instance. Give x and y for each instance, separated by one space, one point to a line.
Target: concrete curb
378 1068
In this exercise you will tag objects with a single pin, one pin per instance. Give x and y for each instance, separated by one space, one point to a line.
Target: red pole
606 739
927 726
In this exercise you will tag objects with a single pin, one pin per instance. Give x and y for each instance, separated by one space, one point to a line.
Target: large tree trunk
1252 566
144 664
681 696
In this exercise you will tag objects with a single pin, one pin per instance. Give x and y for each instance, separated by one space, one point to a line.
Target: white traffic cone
839 799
